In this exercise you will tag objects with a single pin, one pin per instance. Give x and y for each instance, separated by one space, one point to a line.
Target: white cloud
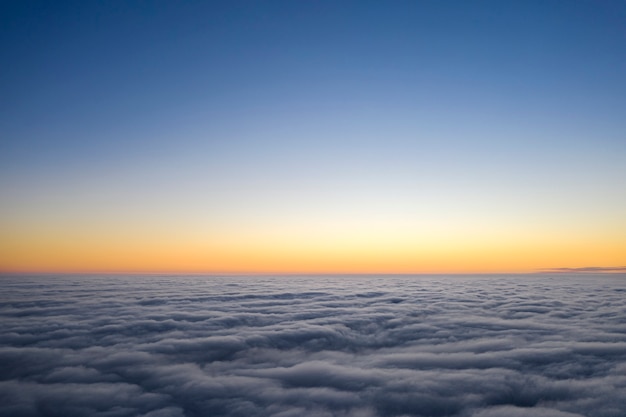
372 347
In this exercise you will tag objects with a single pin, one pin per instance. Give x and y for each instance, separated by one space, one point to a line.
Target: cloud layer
157 346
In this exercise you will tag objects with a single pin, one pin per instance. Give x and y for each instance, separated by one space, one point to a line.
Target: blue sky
231 109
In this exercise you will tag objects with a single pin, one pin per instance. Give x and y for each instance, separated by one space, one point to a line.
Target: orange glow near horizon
345 223
314 255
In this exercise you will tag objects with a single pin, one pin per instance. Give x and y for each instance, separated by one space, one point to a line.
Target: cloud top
166 346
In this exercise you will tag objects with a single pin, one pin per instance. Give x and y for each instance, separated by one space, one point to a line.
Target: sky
312 136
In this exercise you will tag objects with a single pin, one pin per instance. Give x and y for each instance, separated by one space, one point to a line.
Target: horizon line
540 271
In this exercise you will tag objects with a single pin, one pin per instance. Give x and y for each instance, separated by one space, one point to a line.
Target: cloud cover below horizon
165 346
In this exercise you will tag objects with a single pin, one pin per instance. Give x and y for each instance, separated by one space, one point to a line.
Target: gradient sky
312 136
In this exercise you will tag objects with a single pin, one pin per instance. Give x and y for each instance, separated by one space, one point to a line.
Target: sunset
313 208
313 137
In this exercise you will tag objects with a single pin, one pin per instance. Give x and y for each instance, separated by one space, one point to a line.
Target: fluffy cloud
160 346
